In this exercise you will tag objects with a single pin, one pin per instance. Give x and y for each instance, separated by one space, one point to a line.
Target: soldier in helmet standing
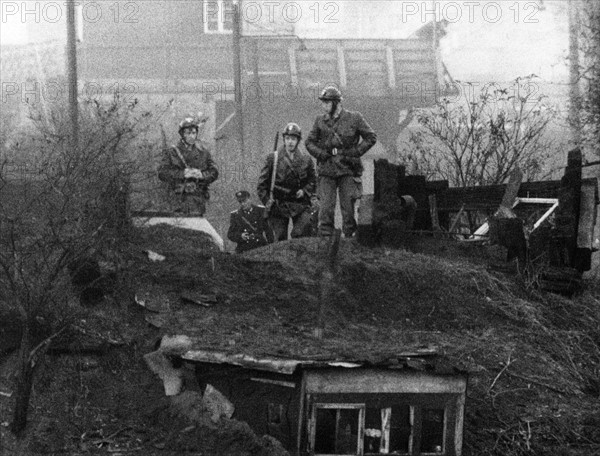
293 186
189 169
337 140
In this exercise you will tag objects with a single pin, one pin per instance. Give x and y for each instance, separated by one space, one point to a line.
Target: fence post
326 282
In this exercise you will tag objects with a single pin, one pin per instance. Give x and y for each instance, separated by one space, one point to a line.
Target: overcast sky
485 39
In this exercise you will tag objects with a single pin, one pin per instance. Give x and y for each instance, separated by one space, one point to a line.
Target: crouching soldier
189 169
286 184
248 225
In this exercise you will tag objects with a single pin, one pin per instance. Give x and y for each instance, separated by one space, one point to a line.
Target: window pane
372 440
275 413
432 431
325 431
347 432
336 431
400 430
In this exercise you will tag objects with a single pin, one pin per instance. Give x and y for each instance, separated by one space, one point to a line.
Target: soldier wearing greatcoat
292 189
188 169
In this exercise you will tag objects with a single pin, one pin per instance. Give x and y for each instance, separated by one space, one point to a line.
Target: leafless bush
58 206
481 142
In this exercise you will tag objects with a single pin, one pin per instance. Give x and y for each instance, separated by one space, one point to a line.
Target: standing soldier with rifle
337 140
287 192
189 169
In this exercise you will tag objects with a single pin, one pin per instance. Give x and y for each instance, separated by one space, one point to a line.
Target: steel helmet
188 122
330 94
292 129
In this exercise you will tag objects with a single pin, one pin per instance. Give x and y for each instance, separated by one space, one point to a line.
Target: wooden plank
293 67
302 415
401 45
457 219
365 215
490 196
412 57
365 55
341 66
433 211
512 188
386 421
367 67
587 215
366 232
326 281
361 429
362 45
390 67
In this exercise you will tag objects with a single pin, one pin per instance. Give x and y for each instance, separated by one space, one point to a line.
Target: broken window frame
386 426
553 202
416 424
444 431
338 406
275 414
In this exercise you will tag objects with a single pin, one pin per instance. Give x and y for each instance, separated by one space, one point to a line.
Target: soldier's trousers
301 226
328 189
191 204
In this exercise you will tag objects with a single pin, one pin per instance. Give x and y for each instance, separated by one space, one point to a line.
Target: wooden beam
457 219
587 215
237 77
326 282
293 66
341 66
435 221
389 53
510 194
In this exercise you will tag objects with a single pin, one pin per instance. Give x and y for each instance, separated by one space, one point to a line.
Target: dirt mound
532 358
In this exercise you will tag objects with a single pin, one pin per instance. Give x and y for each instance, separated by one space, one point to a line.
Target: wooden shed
411 404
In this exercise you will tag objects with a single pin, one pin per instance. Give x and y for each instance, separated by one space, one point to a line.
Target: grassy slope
533 359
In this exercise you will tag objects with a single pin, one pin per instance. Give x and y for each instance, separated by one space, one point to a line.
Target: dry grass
533 358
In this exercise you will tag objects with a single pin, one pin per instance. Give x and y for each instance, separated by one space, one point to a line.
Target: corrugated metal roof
422 359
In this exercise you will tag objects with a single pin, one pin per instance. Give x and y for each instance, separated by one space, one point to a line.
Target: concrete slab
190 223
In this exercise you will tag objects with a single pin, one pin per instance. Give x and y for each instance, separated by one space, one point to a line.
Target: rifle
253 235
190 185
164 137
273 175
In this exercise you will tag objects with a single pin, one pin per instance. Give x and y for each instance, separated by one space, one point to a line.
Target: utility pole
237 74
434 38
259 108
574 74
72 76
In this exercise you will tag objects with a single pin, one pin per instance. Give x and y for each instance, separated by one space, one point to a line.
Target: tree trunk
24 380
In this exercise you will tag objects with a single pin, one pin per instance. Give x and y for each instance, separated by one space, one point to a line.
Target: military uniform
294 172
341 171
188 196
253 222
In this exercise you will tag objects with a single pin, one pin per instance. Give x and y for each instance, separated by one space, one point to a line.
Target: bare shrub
482 141
58 207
